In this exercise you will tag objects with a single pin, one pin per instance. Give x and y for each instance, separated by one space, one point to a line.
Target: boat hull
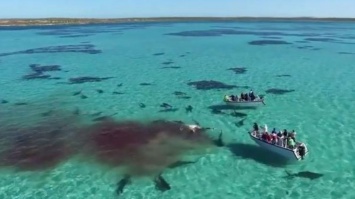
285 152
246 104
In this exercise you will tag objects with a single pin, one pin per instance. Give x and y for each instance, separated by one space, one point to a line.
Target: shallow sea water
320 109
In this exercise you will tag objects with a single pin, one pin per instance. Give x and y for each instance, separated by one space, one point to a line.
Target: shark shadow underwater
159 181
304 174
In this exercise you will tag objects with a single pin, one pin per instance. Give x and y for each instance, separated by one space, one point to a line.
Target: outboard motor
301 151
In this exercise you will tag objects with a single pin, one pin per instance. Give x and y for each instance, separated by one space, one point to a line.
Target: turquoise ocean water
314 61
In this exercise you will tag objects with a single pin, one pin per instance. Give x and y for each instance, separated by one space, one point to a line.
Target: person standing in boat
280 141
273 131
256 127
290 143
251 95
265 128
279 134
285 136
273 138
242 97
285 133
246 97
236 98
292 135
268 137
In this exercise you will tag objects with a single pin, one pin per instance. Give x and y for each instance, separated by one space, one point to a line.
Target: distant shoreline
82 21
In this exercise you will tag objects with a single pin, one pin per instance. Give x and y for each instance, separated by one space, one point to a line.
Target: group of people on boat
281 138
243 97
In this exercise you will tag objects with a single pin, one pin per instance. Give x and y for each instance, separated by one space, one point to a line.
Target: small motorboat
242 103
297 153
245 100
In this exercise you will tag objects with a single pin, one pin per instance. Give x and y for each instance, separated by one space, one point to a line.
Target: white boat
254 103
298 153
258 100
